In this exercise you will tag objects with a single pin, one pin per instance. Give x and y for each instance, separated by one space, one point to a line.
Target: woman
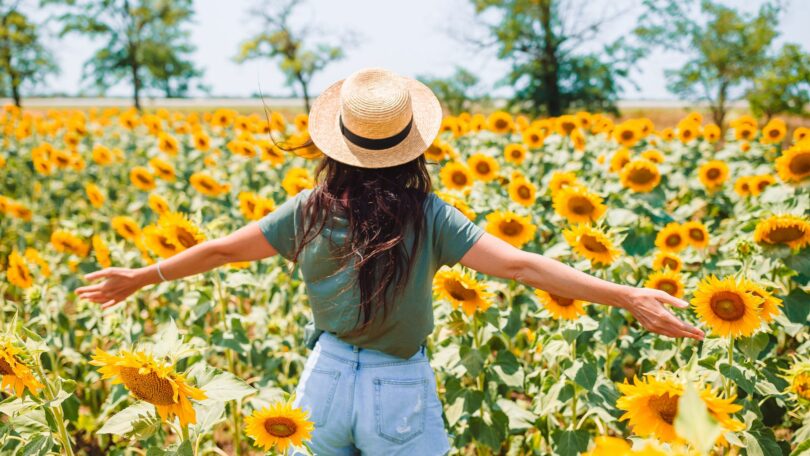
368 240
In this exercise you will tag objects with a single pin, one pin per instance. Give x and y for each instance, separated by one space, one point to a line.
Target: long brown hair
381 204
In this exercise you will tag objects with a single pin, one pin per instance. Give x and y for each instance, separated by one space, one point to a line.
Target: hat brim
324 129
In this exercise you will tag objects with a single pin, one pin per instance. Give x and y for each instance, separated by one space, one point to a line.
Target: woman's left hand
120 283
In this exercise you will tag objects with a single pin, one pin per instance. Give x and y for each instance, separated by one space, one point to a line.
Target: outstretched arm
493 256
245 244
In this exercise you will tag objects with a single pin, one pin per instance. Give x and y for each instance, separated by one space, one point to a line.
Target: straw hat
375 119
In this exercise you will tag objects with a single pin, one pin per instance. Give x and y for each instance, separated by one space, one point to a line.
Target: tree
167 60
279 40
460 92
23 58
724 47
144 43
550 71
782 86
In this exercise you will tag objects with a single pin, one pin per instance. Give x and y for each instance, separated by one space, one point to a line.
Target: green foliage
279 40
144 43
460 92
550 73
24 61
782 86
724 47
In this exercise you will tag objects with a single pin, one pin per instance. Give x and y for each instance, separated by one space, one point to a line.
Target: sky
410 37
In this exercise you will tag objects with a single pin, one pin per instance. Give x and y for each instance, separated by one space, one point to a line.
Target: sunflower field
207 364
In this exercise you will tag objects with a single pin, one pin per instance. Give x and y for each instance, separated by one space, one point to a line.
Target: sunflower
619 160
626 134
15 374
33 255
727 306
651 405
142 178
102 155
784 229
667 134
180 231
559 307
158 242
560 180
578 140
591 243
456 176
458 203
514 153
436 152
483 167
522 191
713 174
126 227
168 144
296 180
742 186
640 175
770 303
511 227
578 205
667 260
158 204
18 273
794 163
270 152
745 132
461 289
533 138
697 235
609 446
760 183
207 185
687 132
671 238
774 132
500 122
798 378
653 155
94 194
711 133
666 280
66 242
151 380
279 425
301 122
163 169
101 251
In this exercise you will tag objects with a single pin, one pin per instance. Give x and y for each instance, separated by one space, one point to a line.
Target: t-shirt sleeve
279 226
454 233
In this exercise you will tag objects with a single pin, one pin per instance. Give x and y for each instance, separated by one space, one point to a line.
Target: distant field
662 112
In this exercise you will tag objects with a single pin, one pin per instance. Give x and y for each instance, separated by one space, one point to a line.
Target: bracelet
160 273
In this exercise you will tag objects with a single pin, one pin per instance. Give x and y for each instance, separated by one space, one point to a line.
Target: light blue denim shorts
364 401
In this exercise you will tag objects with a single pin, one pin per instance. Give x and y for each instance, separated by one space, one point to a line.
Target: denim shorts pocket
316 394
399 407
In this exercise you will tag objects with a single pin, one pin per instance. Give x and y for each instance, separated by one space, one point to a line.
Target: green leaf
137 417
752 346
571 443
471 359
800 262
693 422
519 418
225 386
796 306
761 442
802 449
39 446
738 377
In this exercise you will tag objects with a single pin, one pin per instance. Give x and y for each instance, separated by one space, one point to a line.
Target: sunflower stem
56 410
184 432
728 382
574 385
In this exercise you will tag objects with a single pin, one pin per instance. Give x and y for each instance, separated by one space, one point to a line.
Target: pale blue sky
411 37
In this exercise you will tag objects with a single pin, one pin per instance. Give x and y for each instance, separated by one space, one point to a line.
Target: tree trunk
15 91
550 76
304 91
136 82
719 109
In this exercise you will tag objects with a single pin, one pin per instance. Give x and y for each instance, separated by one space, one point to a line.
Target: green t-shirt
448 236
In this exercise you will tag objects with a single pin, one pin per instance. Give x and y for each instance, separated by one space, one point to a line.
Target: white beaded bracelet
160 273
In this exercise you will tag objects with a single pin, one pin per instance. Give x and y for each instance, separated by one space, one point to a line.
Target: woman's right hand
647 305
119 284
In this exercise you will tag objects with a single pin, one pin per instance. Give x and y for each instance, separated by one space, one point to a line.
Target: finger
95 295
686 330
108 304
106 272
672 300
88 288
